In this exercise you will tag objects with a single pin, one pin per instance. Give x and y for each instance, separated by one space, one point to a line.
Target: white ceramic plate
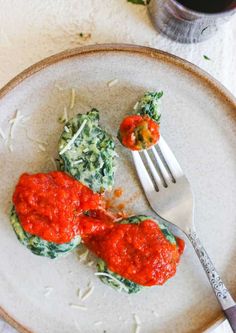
199 123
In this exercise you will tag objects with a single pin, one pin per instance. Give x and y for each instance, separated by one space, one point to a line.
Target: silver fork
169 194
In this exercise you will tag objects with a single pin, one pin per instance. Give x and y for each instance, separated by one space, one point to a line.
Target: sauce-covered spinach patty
117 281
38 245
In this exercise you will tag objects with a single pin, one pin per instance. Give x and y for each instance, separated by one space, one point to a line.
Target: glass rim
191 11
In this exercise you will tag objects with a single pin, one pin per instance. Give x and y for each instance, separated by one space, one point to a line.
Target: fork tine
153 170
142 173
170 159
164 172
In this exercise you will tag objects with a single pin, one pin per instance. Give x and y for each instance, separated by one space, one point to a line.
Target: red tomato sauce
57 208
181 244
138 132
50 205
118 192
138 252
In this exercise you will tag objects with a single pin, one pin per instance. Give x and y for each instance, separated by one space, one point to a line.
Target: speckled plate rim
197 73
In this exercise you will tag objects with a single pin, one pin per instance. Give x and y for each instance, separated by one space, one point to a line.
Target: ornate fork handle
222 294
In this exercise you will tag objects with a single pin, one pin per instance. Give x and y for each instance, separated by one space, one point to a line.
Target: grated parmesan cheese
64 117
137 319
13 123
155 314
137 329
75 136
78 162
84 256
112 82
89 284
72 99
77 306
16 117
41 147
90 263
66 129
113 278
48 291
79 293
137 323
65 114
10 147
87 293
135 106
97 323
20 117
3 135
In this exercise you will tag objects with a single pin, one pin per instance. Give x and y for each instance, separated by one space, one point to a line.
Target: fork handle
222 294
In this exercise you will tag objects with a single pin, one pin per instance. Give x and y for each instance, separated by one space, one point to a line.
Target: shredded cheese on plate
87 293
137 319
48 291
77 306
3 135
84 256
97 323
112 82
41 147
72 99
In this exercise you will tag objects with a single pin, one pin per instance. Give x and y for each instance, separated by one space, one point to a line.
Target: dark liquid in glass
208 6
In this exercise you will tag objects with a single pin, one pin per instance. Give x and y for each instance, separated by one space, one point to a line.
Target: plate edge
12 322
194 70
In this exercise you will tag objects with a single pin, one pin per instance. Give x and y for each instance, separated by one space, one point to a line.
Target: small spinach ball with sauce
138 132
87 152
137 252
47 211
141 130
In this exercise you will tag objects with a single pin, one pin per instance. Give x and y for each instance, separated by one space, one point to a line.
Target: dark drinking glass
208 6
190 21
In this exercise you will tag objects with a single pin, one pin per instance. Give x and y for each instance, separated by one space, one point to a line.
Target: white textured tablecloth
34 29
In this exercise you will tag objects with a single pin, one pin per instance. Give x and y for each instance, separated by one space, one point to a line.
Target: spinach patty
118 282
87 152
38 245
